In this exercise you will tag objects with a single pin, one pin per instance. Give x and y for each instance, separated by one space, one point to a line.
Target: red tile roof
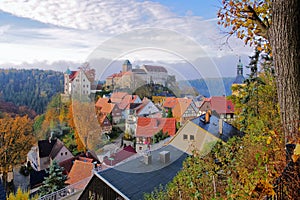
170 102
117 97
148 127
116 75
120 156
80 171
220 104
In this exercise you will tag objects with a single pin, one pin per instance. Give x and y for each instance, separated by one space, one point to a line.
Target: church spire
240 68
239 73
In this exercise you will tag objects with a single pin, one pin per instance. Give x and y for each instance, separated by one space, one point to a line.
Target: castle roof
152 68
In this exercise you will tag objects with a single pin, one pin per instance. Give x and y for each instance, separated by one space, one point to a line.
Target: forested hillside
33 88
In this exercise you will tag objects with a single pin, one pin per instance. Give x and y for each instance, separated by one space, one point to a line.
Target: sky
57 34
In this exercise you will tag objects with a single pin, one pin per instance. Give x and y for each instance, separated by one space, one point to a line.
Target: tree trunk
284 38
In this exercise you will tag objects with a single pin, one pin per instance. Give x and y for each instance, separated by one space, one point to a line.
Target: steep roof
45 147
228 131
120 156
221 105
133 178
80 170
152 68
148 127
180 107
56 148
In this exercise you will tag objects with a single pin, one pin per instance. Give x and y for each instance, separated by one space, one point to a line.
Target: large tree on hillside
16 139
272 26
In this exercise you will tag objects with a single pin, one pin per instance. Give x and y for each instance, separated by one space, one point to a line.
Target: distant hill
32 88
217 87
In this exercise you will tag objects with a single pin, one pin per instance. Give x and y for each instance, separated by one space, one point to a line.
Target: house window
83 79
140 148
192 137
66 153
185 137
61 153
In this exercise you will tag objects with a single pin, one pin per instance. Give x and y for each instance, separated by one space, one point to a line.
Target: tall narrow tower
126 66
239 73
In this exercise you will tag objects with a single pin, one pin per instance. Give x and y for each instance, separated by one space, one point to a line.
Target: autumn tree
21 195
79 143
16 139
86 124
272 26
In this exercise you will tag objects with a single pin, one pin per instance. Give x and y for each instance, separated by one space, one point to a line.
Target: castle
134 77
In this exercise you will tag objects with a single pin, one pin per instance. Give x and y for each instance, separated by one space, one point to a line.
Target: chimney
220 126
207 116
164 157
148 159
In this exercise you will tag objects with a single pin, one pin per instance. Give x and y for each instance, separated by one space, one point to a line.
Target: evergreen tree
170 114
55 181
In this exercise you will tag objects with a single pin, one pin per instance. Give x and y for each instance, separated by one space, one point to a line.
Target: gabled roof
120 156
170 102
180 107
80 170
221 105
152 68
133 178
148 127
56 148
45 147
228 131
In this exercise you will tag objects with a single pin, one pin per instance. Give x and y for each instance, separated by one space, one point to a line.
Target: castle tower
126 66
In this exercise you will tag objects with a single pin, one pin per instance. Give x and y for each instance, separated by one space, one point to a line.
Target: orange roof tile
117 97
170 102
180 107
104 105
148 127
80 170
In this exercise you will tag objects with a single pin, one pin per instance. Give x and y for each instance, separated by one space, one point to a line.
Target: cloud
75 28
